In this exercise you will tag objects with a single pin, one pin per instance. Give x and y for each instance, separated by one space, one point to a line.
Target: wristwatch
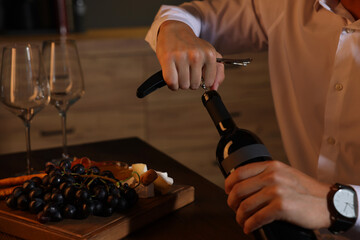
342 205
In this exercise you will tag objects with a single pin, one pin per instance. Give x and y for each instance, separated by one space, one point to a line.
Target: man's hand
186 59
262 192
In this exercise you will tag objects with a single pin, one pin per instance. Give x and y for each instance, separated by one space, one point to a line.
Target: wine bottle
238 147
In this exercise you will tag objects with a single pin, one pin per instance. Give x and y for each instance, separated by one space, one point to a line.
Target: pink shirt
314 63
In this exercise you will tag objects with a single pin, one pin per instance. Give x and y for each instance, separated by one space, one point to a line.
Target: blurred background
115 60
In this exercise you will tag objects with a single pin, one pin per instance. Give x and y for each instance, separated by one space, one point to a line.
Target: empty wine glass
65 77
24 86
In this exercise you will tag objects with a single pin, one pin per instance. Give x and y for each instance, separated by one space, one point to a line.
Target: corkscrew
157 80
203 86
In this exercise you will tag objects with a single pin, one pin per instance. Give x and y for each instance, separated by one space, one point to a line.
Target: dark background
124 13
42 16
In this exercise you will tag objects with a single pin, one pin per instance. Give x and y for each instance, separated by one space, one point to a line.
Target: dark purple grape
83 211
107 211
94 170
68 178
49 167
43 217
82 194
100 193
69 193
91 206
114 191
57 198
78 179
78 168
11 202
69 211
123 205
23 202
37 181
65 164
56 217
50 209
55 180
55 190
36 193
47 197
55 171
28 185
98 207
95 182
112 201
131 196
63 186
36 205
17 191
122 192
45 180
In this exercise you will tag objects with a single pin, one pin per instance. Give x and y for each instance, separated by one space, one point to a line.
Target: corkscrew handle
157 80
151 84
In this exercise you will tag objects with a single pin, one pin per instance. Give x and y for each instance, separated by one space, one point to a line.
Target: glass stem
63 127
28 147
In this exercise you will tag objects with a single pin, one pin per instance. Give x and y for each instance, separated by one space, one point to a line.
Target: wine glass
65 77
24 86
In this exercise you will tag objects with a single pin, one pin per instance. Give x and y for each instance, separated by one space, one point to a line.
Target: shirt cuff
166 13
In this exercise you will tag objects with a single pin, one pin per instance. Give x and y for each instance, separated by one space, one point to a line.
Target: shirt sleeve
229 25
167 13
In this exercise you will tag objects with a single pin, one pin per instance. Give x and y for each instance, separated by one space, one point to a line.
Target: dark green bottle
238 147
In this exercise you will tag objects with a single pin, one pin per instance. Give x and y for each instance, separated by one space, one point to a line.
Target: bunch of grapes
73 192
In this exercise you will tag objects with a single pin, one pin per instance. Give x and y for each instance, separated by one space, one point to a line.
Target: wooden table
208 217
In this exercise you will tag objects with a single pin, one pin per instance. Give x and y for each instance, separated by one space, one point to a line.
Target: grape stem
117 183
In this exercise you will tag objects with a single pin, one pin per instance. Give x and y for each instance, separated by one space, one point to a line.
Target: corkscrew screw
203 86
157 80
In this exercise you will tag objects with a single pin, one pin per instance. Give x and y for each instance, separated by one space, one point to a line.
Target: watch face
344 202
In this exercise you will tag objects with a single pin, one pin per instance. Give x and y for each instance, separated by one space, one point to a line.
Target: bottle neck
218 112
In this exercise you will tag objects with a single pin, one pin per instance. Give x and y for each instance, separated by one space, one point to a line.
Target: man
314 62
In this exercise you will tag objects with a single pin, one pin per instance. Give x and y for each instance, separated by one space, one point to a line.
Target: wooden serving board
24 225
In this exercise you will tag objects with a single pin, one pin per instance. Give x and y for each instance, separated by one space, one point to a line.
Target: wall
44 16
120 13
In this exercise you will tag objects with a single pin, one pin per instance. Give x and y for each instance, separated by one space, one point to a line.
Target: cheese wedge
163 183
140 168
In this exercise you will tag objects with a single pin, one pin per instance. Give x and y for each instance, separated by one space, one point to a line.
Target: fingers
220 74
188 70
244 172
251 206
183 74
262 217
185 59
209 68
243 190
170 75
196 62
262 192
